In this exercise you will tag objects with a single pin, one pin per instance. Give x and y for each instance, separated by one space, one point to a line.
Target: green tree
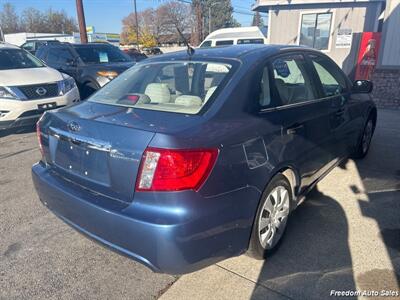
9 20
257 20
221 13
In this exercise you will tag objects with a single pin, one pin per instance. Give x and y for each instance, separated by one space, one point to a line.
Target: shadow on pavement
380 173
303 268
314 257
19 130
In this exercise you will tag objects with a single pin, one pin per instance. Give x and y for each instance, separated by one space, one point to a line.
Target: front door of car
335 88
62 59
292 101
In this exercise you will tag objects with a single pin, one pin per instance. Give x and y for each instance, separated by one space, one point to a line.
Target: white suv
28 88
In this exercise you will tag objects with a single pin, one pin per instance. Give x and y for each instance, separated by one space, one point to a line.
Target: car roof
241 52
8 46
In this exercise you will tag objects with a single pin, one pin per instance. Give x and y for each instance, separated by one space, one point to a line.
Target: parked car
185 160
152 51
91 65
234 36
28 88
135 54
33 45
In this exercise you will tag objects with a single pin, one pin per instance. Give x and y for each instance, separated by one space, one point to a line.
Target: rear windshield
18 59
97 54
181 87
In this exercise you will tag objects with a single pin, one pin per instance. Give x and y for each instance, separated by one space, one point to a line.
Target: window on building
315 30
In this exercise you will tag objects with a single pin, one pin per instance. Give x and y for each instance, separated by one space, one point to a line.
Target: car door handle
339 112
294 129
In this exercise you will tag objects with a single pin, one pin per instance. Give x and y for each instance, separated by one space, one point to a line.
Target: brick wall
386 92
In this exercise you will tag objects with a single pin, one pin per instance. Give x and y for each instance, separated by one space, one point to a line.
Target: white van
234 36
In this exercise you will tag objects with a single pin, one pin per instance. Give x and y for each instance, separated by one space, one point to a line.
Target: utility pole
1 34
199 22
81 21
137 26
209 16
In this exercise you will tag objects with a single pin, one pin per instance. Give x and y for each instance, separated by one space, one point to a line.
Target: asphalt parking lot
43 258
345 236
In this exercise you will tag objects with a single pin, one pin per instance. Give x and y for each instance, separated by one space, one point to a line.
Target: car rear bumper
181 246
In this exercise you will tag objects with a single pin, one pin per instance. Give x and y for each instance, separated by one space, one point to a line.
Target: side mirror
71 62
362 86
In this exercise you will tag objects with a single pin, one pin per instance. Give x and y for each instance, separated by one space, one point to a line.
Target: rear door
293 102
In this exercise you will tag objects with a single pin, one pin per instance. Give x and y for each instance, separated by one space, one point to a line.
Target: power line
249 13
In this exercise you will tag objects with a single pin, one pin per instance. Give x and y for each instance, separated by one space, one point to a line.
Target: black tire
363 145
258 249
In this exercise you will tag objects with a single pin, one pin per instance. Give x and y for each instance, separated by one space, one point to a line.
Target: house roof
263 5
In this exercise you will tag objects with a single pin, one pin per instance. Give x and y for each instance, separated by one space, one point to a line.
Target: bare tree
9 20
32 20
160 22
58 21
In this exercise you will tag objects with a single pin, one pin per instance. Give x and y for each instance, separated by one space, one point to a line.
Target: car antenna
190 49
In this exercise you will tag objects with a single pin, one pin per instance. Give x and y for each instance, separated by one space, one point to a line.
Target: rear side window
291 79
52 57
181 87
224 43
332 81
59 56
29 46
250 41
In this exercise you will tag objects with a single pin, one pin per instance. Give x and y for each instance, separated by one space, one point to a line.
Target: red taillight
39 136
175 170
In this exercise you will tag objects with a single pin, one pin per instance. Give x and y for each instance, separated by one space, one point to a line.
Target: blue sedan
189 158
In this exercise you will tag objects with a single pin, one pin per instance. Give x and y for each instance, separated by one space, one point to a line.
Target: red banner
368 55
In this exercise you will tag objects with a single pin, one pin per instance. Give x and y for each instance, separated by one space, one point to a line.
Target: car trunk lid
101 153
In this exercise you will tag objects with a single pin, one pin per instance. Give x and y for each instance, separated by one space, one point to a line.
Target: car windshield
179 86
97 54
18 59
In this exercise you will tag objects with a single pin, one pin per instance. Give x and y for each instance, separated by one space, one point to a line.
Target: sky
106 15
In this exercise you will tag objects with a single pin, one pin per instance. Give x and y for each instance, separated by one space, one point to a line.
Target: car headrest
188 100
209 93
158 92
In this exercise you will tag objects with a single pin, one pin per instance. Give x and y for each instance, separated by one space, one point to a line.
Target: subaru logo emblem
41 91
73 126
